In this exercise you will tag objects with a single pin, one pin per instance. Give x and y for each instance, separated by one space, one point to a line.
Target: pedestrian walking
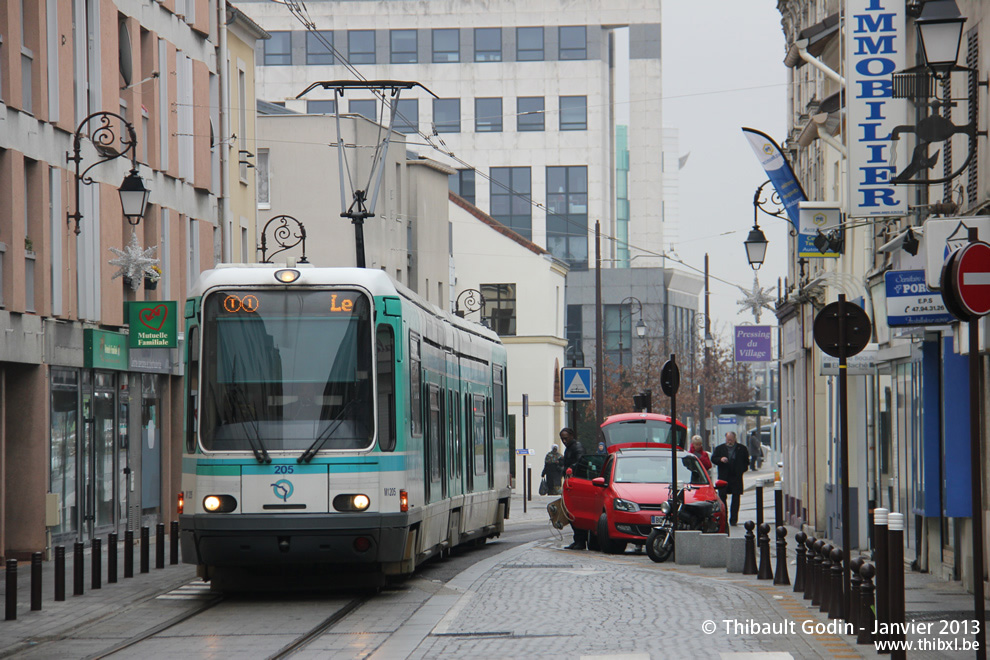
732 460
755 450
573 451
552 470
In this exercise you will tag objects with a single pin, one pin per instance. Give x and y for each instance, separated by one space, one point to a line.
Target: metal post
816 573
809 567
866 605
895 579
801 567
59 572
527 473
881 561
173 540
765 573
835 603
10 611
824 580
976 480
599 350
673 456
145 542
529 484
778 503
77 568
856 565
759 504
97 564
129 553
701 395
780 575
844 449
35 581
160 545
111 557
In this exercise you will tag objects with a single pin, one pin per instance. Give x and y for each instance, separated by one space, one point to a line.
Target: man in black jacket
572 453
732 460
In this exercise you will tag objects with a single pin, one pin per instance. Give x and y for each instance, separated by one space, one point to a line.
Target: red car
616 496
649 428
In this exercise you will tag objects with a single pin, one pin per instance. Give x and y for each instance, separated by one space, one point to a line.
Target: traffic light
643 402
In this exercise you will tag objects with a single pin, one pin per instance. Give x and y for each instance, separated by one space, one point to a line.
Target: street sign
727 419
525 452
943 236
863 363
577 383
753 343
911 302
670 377
970 279
857 330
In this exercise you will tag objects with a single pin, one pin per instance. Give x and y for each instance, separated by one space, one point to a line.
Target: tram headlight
360 502
351 502
219 503
286 275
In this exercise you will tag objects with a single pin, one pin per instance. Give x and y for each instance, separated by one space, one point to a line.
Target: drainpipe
223 70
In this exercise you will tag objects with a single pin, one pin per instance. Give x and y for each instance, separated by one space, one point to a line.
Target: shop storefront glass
65 429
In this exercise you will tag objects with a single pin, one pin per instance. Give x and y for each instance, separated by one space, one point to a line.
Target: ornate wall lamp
284 236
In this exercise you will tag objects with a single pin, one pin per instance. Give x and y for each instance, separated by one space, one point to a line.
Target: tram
335 422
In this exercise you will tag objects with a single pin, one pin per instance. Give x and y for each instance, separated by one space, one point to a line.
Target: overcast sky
722 70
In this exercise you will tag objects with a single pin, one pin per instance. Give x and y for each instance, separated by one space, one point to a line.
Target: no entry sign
966 281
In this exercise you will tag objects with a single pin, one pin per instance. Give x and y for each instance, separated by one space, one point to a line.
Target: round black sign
857 330
670 378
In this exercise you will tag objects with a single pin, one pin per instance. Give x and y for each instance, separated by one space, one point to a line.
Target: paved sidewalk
56 618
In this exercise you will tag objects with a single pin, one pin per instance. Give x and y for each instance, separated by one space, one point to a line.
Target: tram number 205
284 469
390 492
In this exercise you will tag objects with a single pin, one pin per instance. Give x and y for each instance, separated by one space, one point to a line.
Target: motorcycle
676 516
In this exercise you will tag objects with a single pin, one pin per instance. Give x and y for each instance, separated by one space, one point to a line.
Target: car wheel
659 546
605 542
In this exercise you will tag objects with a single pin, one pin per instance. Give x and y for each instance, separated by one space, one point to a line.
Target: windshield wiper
257 445
308 455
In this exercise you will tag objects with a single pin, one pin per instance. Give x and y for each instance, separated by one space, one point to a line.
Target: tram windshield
282 369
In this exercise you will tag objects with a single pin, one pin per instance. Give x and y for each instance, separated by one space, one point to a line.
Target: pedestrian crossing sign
577 383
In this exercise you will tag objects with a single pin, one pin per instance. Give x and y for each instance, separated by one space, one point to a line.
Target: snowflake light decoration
756 299
134 262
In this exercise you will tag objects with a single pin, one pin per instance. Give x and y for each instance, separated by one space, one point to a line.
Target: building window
499 309
364 107
510 199
447 115
404 46
567 214
263 174
618 334
573 40
278 49
487 44
530 113
488 115
361 46
319 47
447 45
407 116
573 113
461 183
529 44
321 107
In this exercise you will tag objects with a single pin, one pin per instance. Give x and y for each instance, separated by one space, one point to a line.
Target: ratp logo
283 489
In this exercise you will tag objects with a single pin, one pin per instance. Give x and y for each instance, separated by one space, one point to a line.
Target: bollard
778 503
97 565
144 548
759 504
816 572
111 557
800 568
809 567
35 581
77 568
765 572
825 579
865 636
10 611
880 568
895 579
855 582
59 572
835 602
160 545
129 553
749 563
173 542
780 575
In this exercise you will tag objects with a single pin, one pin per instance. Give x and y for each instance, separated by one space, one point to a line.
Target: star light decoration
134 262
756 299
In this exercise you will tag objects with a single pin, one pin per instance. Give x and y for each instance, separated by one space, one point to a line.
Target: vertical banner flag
778 171
753 343
876 47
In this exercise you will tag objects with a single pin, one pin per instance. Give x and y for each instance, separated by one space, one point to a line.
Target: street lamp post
640 325
133 193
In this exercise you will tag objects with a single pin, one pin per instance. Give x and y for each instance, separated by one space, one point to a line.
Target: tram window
499 411
415 387
385 344
478 434
192 383
434 432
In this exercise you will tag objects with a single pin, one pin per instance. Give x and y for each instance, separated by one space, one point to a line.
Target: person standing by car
755 450
732 461
552 470
573 451
698 450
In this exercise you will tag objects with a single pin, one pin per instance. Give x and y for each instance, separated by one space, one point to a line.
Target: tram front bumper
248 540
